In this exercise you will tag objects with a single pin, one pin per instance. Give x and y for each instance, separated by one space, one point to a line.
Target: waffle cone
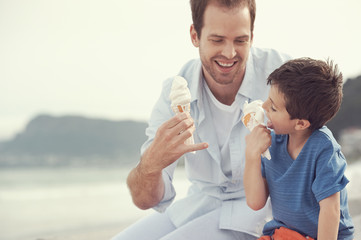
250 122
246 119
179 109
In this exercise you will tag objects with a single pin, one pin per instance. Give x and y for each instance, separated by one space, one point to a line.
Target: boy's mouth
269 124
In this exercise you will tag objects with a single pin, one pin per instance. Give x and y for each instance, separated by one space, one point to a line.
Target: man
230 71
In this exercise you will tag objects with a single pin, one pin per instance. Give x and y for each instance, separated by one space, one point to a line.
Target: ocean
44 203
85 203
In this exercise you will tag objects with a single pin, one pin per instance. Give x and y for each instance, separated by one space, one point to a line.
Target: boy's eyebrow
273 103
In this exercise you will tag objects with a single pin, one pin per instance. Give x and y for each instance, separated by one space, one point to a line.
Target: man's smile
224 66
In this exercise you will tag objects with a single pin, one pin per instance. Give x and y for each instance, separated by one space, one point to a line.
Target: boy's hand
255 185
258 141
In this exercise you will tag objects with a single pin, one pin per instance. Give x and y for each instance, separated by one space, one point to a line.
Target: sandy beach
90 204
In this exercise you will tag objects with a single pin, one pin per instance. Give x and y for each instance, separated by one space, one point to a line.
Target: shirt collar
248 88
195 87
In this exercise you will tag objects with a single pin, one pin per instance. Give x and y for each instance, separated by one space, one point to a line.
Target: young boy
305 176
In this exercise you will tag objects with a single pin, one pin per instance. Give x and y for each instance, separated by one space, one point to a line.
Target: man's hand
145 181
168 144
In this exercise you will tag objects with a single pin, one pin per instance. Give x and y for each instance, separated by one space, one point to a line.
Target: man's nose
229 51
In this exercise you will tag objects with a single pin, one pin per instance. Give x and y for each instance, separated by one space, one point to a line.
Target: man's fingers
186 125
174 121
197 147
174 126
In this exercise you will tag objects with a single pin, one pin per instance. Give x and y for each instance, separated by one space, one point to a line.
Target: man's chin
224 79
223 82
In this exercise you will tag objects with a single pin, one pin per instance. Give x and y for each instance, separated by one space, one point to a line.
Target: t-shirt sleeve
329 174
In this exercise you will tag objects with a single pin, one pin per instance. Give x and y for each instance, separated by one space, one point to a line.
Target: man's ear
251 40
194 36
302 124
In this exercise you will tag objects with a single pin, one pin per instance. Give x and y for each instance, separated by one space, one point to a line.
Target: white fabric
159 226
224 118
211 189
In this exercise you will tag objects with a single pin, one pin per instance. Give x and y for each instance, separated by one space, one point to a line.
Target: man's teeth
226 64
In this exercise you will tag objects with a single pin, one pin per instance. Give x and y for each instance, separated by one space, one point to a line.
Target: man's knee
150 227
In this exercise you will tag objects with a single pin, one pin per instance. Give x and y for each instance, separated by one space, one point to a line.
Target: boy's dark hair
198 8
312 89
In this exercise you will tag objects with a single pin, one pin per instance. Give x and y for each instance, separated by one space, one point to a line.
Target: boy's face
278 118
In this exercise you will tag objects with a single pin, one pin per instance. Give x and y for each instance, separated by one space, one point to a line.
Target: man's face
224 45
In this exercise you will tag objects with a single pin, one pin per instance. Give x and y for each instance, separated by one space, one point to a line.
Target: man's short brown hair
312 89
198 8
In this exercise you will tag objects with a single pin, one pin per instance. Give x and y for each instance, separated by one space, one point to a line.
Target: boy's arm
329 218
255 185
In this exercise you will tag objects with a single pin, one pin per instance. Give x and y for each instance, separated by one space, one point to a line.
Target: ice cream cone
253 116
179 109
247 119
180 97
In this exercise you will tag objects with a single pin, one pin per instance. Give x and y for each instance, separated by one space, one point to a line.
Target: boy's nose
264 106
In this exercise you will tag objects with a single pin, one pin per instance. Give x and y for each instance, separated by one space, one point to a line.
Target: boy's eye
273 109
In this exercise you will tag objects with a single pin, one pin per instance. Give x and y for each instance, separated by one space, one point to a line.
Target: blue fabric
211 189
297 186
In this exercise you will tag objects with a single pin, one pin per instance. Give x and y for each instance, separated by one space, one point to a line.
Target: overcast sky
108 59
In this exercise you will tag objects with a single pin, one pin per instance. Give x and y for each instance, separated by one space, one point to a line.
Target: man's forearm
147 189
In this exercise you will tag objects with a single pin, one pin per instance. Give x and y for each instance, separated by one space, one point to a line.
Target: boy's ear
302 124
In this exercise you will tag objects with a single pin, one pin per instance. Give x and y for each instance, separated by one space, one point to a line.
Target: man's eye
242 41
217 40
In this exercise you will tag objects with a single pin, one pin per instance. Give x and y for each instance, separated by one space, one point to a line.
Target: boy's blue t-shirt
297 186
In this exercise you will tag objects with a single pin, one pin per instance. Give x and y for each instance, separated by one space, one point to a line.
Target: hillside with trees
349 115
60 140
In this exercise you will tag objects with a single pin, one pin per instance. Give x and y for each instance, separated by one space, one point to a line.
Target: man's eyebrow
215 35
246 36
243 37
